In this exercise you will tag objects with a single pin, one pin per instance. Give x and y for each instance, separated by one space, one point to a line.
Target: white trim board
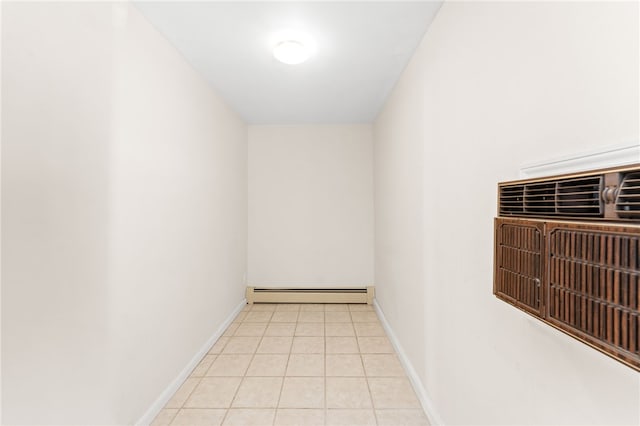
426 402
166 395
608 156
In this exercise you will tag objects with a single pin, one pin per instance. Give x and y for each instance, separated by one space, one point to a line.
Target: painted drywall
55 218
310 205
124 213
491 87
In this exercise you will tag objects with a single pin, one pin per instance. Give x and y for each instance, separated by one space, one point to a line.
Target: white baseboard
418 387
166 395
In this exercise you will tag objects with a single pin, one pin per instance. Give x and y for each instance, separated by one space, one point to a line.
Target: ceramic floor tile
213 392
203 366
310 329
337 316
382 365
268 365
264 307
375 345
393 392
305 365
258 316
405 417
346 417
340 329
347 392
231 329
258 392
275 345
299 417
311 316
219 345
251 329
308 345
288 307
368 329
240 316
309 307
280 329
342 345
344 365
249 417
165 416
241 345
364 317
302 392
230 365
285 316
336 307
199 417
360 307
183 392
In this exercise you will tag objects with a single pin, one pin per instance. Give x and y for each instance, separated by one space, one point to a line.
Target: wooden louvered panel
518 273
593 286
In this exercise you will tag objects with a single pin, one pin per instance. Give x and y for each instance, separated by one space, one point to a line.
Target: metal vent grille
540 198
628 199
574 197
580 196
594 287
511 200
519 264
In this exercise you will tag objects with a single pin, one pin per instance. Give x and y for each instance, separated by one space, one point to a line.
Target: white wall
123 213
310 205
493 86
55 218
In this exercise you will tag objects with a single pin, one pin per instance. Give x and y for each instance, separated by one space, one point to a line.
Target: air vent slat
628 200
560 197
579 192
511 200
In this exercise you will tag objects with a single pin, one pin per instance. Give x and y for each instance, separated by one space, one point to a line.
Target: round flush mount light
293 47
291 52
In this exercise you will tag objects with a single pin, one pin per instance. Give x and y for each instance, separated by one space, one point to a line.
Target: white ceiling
362 48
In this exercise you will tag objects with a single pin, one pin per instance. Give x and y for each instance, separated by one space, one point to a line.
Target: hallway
292 364
159 159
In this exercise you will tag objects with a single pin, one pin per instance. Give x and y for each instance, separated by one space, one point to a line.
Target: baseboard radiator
310 295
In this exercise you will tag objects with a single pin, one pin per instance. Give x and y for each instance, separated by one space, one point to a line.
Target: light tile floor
298 365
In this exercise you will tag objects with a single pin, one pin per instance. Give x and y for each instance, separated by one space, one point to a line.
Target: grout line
241 380
172 417
326 407
289 354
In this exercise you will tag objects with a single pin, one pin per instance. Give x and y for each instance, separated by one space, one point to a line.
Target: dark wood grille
519 264
593 286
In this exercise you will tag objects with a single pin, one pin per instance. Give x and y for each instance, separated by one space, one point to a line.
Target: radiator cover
578 272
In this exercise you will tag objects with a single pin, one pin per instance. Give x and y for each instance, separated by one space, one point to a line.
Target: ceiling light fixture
293 47
291 52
